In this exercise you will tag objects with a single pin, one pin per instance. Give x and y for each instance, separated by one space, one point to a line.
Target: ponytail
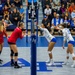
20 24
1 26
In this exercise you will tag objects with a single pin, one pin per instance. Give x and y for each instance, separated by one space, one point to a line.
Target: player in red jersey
2 32
17 33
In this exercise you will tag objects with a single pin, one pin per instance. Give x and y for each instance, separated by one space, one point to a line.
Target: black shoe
12 64
17 66
1 61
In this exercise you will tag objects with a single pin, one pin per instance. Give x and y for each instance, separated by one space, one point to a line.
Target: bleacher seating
12 26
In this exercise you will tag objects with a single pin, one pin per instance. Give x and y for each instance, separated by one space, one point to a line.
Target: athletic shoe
73 65
17 66
50 64
12 64
65 63
1 61
48 61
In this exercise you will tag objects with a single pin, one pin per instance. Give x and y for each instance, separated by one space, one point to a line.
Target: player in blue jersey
52 40
68 37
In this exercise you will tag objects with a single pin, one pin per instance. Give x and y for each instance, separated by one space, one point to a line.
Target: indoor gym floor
42 56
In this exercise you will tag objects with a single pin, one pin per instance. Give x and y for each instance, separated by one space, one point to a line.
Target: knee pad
12 53
0 52
49 52
73 55
16 54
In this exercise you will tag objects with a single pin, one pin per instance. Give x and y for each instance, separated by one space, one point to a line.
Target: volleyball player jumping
52 40
2 32
68 37
17 33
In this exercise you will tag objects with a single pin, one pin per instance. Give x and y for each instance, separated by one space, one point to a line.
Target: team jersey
17 33
47 35
1 36
67 35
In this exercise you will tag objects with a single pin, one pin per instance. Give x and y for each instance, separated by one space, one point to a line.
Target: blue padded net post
33 43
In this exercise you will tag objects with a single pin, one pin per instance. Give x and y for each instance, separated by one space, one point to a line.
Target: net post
33 54
27 24
33 43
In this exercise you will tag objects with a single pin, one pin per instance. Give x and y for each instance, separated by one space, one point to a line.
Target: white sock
66 60
48 59
73 61
51 60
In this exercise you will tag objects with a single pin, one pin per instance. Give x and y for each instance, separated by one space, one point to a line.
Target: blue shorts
71 42
53 40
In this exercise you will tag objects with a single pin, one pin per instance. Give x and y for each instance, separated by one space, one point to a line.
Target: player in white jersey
68 37
52 40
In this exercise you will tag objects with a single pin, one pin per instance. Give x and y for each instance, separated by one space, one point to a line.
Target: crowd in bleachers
11 12
58 12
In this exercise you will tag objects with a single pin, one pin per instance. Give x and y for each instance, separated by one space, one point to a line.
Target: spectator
8 4
12 7
71 8
51 3
5 24
62 9
7 20
73 14
3 1
48 12
73 24
15 17
67 21
67 13
64 2
56 2
21 12
5 11
54 8
45 23
56 22
54 14
46 2
17 3
57 5
1 8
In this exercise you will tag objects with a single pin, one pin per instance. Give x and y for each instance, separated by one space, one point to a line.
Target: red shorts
1 42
